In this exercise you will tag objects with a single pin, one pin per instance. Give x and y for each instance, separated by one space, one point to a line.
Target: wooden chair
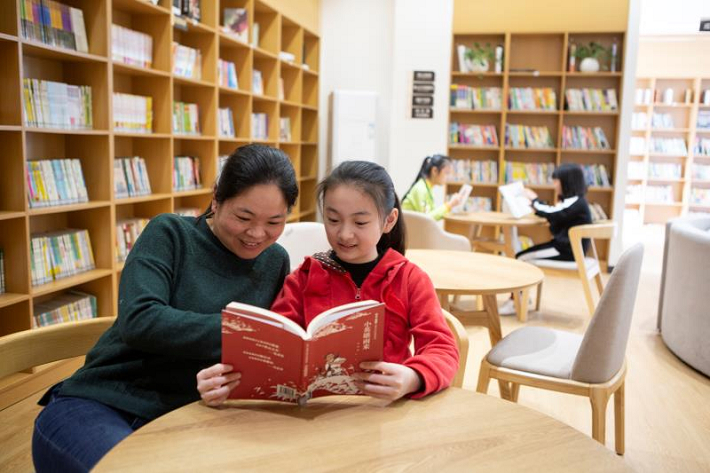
461 337
591 365
23 350
586 267
303 239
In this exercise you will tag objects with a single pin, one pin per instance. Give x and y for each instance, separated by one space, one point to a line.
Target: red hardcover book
279 360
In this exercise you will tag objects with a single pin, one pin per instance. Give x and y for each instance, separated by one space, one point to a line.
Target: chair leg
523 305
514 391
599 399
538 302
484 377
619 428
588 295
600 283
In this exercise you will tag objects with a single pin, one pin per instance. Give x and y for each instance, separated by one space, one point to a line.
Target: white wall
679 17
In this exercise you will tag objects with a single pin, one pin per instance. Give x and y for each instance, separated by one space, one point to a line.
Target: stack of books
591 100
539 174
596 175
523 136
662 120
584 138
227 74
528 98
130 177
57 105
132 113
127 233
475 98
665 171
186 173
187 62
53 23
186 118
226 123
60 254
284 129
474 135
55 182
131 47
260 126
68 307
669 146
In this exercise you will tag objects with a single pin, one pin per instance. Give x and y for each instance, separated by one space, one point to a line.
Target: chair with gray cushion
303 239
424 233
589 365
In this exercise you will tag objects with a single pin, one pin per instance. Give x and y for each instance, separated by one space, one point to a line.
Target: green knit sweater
176 280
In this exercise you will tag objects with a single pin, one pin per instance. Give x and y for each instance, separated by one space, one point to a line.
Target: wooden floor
667 402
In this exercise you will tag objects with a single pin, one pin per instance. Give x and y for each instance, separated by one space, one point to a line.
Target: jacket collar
386 269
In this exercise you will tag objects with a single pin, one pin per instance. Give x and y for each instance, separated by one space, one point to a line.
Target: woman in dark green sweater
178 277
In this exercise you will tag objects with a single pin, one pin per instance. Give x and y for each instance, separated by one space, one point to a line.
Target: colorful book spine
584 138
226 123
130 177
187 62
50 104
55 182
53 23
529 98
186 173
528 137
473 135
530 173
596 175
227 74
127 233
131 47
260 126
132 113
68 307
475 98
285 129
186 118
591 100
474 172
60 254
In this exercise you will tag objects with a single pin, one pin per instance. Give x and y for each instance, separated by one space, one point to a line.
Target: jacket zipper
357 294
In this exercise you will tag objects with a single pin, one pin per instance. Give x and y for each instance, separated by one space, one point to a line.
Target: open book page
267 316
330 315
463 194
515 200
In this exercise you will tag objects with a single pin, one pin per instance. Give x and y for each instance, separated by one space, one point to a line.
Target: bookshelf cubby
97 148
672 106
537 61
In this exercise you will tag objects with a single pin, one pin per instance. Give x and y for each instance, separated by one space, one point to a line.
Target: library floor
667 410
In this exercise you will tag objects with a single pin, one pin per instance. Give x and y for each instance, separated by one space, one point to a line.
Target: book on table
514 199
279 360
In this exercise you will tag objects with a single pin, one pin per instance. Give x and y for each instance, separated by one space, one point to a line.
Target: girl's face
558 188
353 224
438 176
250 222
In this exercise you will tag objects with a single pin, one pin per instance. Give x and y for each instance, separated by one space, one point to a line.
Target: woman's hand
216 382
391 380
530 194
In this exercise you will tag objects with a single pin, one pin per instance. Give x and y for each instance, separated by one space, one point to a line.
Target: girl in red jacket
361 215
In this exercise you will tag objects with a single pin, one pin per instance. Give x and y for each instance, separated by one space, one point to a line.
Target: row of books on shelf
53 23
700 196
257 82
186 173
53 182
475 98
260 126
701 172
474 204
670 146
476 172
127 233
668 96
132 113
523 136
186 118
474 135
131 47
529 173
703 119
637 170
702 147
2 272
596 175
60 254
70 306
189 9
591 100
651 194
187 61
227 74
225 120
51 104
284 129
585 138
130 177
532 98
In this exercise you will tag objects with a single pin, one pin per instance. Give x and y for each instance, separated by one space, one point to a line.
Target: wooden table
456 430
476 221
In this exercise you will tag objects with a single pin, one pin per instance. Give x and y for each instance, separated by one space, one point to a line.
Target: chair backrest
424 233
461 337
22 350
593 231
601 354
303 239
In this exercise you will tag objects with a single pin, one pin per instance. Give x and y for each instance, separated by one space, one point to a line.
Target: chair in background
424 233
586 267
303 239
461 337
23 350
591 365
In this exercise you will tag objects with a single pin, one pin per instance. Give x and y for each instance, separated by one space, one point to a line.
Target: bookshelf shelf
179 80
535 74
670 130
7 215
138 71
309 72
33 48
588 151
10 128
533 112
66 283
264 54
191 26
62 131
480 111
675 105
142 198
470 147
8 37
601 74
474 75
600 114
140 7
532 150
68 208
9 298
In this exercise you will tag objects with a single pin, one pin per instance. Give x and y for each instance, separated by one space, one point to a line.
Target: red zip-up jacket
412 310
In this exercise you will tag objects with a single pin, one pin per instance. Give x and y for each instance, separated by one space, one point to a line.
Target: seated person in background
571 209
419 198
364 228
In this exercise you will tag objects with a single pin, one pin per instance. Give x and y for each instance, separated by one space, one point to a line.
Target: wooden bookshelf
538 60
97 148
685 119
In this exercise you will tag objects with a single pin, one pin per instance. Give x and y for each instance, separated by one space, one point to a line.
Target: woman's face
250 222
439 176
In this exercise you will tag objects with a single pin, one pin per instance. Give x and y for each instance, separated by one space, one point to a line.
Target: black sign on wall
423 94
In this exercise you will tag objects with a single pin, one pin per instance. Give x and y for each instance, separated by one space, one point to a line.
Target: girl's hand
216 382
391 382
530 194
454 201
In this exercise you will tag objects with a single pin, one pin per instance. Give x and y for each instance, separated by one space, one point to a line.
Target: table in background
455 430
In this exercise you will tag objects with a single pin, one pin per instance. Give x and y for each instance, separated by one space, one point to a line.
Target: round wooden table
476 221
455 430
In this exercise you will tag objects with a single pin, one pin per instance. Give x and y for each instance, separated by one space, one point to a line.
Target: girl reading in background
419 198
361 213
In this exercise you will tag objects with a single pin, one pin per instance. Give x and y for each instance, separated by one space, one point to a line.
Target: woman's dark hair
373 180
438 161
253 165
571 177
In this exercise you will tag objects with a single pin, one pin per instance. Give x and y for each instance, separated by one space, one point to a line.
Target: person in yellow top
419 198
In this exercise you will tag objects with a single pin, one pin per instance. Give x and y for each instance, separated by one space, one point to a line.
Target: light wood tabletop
455 430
